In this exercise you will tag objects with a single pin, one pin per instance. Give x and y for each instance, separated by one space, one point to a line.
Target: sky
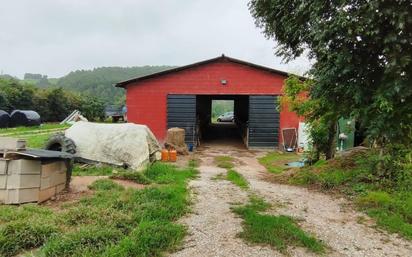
54 37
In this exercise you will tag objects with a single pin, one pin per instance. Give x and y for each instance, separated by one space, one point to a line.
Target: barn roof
220 58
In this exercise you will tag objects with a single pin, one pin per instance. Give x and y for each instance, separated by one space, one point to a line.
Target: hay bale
4 119
24 118
176 139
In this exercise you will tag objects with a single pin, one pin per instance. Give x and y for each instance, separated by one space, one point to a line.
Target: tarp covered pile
120 144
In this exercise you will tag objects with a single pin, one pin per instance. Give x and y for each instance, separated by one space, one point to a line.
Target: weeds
134 176
225 162
275 162
237 179
388 201
112 222
277 231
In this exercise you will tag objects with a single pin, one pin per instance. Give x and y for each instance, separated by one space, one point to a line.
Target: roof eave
124 83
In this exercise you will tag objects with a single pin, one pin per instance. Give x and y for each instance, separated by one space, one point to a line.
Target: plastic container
165 155
172 155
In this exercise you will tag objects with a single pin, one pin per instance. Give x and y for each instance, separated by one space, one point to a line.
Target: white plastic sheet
119 144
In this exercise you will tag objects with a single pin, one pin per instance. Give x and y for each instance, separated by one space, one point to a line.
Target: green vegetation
388 200
134 176
277 231
95 170
361 70
53 104
45 127
275 162
36 137
237 179
114 221
99 81
220 107
225 162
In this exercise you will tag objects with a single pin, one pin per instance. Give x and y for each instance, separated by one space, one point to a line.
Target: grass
114 221
37 136
225 162
388 201
275 162
31 130
96 170
237 179
134 176
277 231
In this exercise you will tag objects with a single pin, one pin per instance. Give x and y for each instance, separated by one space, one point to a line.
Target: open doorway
222 119
223 111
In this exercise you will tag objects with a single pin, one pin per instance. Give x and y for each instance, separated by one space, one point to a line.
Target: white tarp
118 144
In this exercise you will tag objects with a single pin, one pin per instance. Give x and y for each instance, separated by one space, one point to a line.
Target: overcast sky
55 37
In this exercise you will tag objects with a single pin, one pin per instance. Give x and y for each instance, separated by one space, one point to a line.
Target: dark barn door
263 121
181 113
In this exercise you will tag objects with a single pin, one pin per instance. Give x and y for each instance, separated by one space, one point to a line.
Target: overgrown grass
237 179
114 221
96 170
36 141
275 162
277 231
225 162
134 176
387 200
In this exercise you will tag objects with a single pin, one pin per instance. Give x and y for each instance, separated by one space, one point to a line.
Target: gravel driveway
213 227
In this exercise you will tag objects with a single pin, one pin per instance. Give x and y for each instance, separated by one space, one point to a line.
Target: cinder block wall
23 181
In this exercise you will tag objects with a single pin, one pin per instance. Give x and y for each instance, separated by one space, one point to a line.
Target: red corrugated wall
147 100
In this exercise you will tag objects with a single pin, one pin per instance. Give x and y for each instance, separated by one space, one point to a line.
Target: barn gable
220 59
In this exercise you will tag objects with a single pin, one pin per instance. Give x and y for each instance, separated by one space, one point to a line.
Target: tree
362 56
322 123
92 108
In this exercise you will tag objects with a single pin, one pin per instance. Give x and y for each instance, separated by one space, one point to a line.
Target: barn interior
210 132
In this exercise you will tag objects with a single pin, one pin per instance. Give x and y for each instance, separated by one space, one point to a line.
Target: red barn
182 97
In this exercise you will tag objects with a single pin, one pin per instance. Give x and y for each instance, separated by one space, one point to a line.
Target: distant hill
99 81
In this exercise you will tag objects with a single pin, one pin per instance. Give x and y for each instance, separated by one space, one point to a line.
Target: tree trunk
330 152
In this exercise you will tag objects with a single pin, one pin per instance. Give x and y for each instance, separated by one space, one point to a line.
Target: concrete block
15 181
58 178
60 188
18 196
10 143
50 168
3 194
3 181
3 166
45 183
23 166
46 194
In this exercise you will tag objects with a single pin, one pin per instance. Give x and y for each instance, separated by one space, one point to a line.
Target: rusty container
165 155
172 155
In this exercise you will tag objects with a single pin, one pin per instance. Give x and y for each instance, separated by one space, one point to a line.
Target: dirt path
213 227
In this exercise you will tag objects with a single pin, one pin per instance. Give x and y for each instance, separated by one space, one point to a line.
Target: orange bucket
165 155
172 155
